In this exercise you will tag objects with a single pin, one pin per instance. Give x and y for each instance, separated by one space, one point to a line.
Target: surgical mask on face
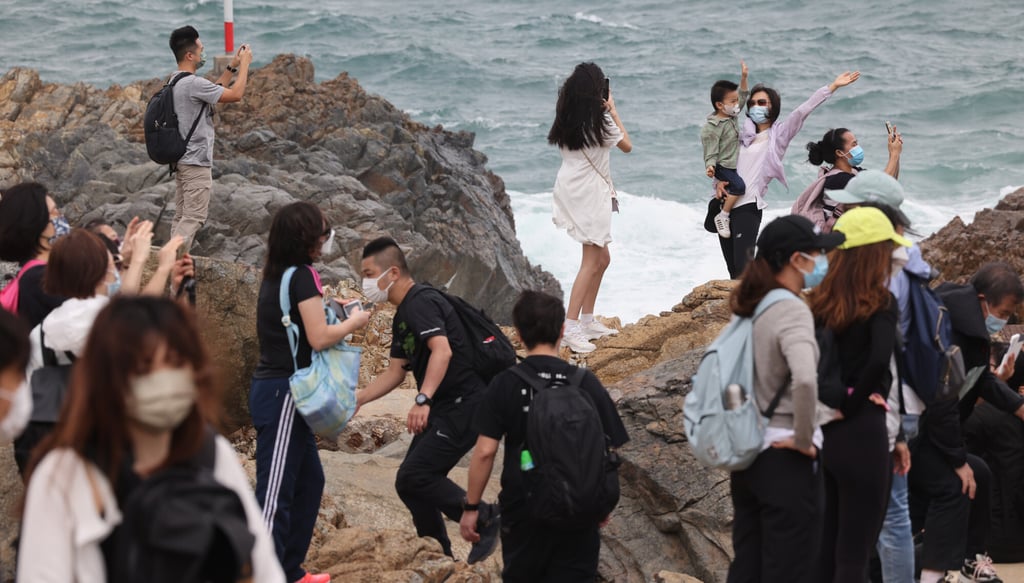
18 415
60 228
992 323
202 60
900 258
373 292
856 156
162 399
816 275
115 286
758 113
328 247
731 110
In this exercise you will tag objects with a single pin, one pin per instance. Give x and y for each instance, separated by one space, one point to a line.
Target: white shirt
583 190
750 167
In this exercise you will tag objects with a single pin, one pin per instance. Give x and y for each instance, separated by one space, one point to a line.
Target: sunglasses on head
761 102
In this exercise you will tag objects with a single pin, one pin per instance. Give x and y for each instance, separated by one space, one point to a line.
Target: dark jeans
955 527
533 554
736 186
858 474
744 222
422 480
777 518
289 477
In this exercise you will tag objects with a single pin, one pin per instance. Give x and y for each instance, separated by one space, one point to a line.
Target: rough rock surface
371 168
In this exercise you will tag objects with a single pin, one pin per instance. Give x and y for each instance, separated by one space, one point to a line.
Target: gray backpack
724 438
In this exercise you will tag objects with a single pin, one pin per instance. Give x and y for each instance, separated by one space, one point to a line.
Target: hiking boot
722 225
488 529
979 569
577 340
311 578
594 330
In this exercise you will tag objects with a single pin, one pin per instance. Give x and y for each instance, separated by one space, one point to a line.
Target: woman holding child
763 143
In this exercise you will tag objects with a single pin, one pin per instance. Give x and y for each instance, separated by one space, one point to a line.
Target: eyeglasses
327 231
753 102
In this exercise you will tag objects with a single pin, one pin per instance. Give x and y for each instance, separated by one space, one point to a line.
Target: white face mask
731 111
328 247
18 415
373 292
900 258
162 399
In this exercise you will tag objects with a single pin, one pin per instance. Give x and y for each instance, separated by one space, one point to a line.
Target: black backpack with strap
181 524
575 480
48 385
164 143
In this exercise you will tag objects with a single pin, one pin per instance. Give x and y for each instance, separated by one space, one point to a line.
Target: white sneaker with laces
722 225
576 340
594 330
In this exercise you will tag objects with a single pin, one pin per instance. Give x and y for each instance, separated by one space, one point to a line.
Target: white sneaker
722 225
576 340
594 330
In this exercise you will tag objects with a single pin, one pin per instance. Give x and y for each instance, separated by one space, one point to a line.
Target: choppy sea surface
948 74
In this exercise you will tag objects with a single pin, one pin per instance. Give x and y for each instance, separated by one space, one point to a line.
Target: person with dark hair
428 339
764 139
15 397
141 398
720 138
289 475
30 223
956 485
531 552
776 500
854 303
194 98
586 128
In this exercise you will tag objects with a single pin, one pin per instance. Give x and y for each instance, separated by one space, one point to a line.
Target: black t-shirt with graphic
423 314
500 413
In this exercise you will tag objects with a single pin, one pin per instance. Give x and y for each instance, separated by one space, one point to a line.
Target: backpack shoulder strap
291 328
771 298
535 383
49 355
207 456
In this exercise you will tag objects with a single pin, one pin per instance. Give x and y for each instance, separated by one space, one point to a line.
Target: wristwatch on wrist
232 69
422 399
470 507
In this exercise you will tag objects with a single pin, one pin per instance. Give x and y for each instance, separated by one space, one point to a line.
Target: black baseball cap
786 235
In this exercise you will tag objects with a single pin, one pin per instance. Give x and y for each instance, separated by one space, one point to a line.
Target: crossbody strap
291 328
607 179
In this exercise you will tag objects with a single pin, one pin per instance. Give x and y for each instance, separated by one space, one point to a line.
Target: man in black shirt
532 553
429 340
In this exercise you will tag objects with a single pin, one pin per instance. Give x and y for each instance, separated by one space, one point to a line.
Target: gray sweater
786 355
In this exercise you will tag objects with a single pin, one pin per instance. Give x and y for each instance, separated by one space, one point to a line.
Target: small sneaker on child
722 225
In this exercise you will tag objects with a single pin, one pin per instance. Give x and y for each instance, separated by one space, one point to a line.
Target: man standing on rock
194 97
428 339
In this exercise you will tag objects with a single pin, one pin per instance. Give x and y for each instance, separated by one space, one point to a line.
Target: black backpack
48 385
932 365
575 480
164 143
181 524
491 350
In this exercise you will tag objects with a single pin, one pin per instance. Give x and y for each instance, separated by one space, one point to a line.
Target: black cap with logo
791 233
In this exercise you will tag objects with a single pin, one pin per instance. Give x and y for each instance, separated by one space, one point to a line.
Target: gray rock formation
371 169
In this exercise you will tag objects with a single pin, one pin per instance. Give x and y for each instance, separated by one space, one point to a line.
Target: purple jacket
781 133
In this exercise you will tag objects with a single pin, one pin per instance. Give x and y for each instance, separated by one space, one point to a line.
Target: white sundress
582 195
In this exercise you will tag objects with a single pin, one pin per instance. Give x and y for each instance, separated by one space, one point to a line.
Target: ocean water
948 74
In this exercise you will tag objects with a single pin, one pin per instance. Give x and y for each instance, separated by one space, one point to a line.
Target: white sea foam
583 16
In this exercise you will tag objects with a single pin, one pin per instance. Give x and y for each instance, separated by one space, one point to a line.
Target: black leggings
744 222
858 475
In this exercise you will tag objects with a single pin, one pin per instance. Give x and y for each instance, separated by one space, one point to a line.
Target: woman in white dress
585 129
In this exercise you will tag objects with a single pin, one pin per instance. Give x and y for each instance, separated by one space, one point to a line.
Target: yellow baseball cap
867 225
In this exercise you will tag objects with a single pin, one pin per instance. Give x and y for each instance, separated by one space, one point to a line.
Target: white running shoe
594 330
722 225
575 338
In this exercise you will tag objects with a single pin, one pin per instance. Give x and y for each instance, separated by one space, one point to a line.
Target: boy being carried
720 138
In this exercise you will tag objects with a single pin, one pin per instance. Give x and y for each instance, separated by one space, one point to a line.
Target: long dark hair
757 280
855 286
294 235
579 114
124 337
824 151
23 218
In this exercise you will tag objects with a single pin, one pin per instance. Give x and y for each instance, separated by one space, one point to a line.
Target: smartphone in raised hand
889 129
607 88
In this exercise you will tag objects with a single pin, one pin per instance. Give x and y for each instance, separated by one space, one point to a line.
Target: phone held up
889 129
607 88
344 311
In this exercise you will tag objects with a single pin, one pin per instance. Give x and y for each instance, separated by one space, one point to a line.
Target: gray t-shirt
189 95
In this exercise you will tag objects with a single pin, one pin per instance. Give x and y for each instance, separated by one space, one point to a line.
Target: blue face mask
856 156
115 286
758 113
60 228
817 275
992 323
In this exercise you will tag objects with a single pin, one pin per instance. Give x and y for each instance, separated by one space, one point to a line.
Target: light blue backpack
723 438
325 391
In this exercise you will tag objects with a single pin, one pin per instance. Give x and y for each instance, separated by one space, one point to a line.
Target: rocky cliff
372 169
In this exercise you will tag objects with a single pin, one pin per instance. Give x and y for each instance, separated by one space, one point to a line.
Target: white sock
726 213
929 576
586 318
571 324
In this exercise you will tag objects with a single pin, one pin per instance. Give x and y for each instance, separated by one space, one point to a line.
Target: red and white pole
229 28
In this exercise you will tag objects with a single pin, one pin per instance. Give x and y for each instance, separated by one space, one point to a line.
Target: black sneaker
488 525
979 570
